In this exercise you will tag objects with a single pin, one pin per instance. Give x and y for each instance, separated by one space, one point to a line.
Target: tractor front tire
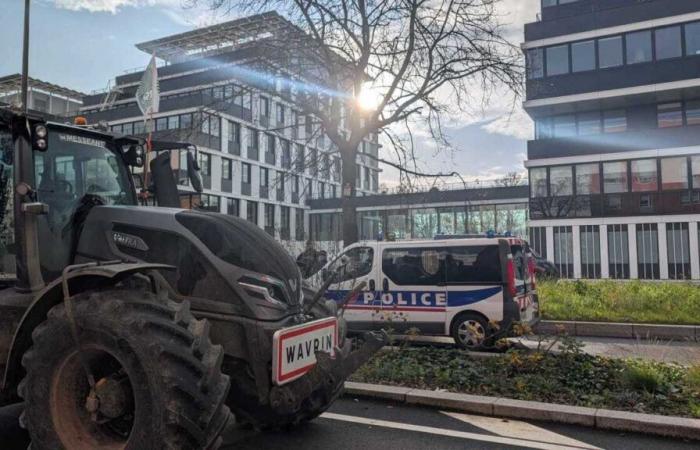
156 377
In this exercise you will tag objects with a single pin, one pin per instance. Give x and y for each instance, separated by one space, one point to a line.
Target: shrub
693 380
643 378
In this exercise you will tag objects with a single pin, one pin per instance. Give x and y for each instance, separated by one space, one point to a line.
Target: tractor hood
224 264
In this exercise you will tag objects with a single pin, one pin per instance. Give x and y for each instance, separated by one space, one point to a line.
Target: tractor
144 327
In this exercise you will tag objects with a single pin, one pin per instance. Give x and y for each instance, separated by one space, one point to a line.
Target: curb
606 419
621 330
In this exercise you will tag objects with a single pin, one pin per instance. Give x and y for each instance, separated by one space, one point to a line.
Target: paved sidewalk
686 353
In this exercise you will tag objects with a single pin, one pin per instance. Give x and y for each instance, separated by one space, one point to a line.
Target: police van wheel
470 331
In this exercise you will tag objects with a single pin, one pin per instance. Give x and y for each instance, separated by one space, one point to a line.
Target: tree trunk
347 195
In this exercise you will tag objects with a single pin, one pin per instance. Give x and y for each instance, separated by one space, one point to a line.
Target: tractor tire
157 377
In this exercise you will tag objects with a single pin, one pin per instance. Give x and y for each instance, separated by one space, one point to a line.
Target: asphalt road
365 425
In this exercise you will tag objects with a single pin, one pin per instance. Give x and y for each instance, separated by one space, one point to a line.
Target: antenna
25 58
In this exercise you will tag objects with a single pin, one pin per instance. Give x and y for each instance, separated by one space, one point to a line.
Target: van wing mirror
193 172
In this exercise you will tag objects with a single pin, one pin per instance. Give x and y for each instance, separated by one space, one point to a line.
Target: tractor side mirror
193 172
134 156
164 181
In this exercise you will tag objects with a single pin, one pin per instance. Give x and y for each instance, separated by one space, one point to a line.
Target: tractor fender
80 280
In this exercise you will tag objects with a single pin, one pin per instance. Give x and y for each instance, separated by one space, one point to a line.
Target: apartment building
614 168
260 157
42 96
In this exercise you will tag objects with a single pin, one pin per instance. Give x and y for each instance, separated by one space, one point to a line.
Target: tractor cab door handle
372 286
385 285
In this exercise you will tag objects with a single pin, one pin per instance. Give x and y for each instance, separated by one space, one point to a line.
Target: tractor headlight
40 132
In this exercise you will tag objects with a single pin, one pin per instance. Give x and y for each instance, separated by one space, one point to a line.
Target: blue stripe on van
462 298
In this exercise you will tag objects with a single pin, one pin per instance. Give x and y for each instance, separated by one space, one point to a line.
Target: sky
83 44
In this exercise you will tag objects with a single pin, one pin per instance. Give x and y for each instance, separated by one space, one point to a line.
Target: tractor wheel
157 380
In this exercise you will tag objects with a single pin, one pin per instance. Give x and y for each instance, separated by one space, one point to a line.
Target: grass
615 301
570 377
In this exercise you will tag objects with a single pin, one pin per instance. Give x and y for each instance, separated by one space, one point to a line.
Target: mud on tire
158 382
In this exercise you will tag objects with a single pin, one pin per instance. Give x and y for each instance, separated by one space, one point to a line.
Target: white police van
444 287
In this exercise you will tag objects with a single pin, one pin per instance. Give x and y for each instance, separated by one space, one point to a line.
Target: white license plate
294 348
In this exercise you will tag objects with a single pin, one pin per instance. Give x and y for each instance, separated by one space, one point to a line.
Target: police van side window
355 263
519 262
414 266
473 265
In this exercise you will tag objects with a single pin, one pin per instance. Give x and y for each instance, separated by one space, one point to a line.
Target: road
363 425
353 424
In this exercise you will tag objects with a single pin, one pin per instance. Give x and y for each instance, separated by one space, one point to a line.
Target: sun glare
369 98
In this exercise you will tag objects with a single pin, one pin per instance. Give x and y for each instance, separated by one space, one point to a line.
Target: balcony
234 148
616 205
253 153
226 185
650 139
270 158
264 191
280 195
245 188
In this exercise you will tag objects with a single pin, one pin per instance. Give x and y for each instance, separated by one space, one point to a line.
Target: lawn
571 378
617 301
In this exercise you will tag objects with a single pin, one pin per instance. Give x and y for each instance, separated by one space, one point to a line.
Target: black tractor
143 327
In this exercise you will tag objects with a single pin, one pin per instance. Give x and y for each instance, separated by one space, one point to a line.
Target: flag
148 93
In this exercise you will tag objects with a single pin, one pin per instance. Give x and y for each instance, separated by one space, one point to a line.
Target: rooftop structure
43 96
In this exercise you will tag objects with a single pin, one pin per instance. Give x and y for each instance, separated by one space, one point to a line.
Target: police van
472 289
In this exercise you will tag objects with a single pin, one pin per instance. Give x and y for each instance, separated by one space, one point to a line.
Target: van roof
429 242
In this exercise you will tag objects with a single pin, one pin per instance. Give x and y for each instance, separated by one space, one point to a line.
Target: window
644 175
173 122
252 212
140 127
638 47
415 266
648 251
264 177
280 114
538 240
610 52
564 251
678 245
692 39
670 115
185 121
299 223
615 177
587 179
285 222
161 123
561 181
674 173
295 184
543 128
286 154
557 60
668 43
695 164
692 112
618 252
564 126
270 218
210 202
535 63
589 123
583 56
474 264
615 121
233 206
226 165
590 251
246 173
264 106
300 158
354 263
424 223
538 182
234 132
205 163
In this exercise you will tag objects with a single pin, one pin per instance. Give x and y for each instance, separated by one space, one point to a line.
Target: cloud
110 6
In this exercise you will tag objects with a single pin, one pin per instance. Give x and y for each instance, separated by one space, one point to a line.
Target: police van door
352 267
413 291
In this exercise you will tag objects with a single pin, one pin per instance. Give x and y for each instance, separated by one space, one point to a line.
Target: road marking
519 429
445 432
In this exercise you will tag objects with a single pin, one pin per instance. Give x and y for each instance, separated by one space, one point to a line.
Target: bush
620 301
693 379
643 378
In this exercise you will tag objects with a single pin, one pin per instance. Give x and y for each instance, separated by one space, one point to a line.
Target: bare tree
510 179
423 59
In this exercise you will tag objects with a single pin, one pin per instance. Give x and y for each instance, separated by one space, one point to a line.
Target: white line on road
519 429
444 432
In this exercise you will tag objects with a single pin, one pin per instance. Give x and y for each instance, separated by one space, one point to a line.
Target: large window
695 171
415 266
615 177
354 263
674 173
668 42
233 206
638 47
590 251
678 245
610 52
538 182
587 179
538 240
644 175
564 251
670 115
692 39
648 251
535 63
270 218
615 121
252 211
246 173
692 112
424 223
561 181
618 252
589 123
564 126
226 168
583 56
398 222
557 60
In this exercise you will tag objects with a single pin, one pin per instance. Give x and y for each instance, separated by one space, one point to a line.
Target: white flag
148 93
